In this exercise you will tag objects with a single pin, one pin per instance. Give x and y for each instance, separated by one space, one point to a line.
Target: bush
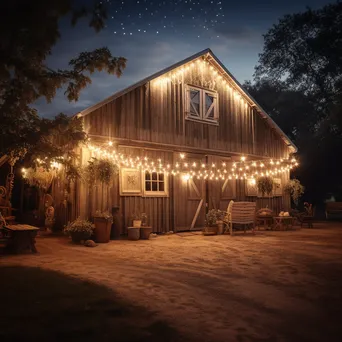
211 217
80 226
295 189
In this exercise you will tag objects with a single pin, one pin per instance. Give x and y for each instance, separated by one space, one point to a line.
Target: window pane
209 100
154 186
211 114
194 102
161 176
161 186
148 186
154 176
147 175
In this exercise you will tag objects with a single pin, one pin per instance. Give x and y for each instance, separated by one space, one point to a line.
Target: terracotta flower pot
219 227
103 228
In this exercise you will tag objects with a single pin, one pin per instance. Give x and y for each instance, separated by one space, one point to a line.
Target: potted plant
103 225
79 230
265 185
295 189
220 217
136 219
211 223
143 219
145 230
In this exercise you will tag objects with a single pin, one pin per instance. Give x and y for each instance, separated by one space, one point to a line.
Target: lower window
155 184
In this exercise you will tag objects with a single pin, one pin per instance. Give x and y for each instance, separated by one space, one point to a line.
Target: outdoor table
265 220
22 237
283 222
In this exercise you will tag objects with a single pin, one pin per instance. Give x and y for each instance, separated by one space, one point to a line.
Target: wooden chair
240 213
307 217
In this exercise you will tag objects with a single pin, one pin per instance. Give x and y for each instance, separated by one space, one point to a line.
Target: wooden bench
4 237
20 237
333 209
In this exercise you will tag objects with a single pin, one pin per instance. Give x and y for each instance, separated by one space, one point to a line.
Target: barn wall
220 194
154 112
158 209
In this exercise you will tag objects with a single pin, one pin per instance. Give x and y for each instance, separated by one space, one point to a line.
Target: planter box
212 230
77 237
133 233
103 227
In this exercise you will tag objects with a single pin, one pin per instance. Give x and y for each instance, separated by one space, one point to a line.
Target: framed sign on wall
130 182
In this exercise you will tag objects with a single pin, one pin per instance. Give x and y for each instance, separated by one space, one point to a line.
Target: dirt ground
273 286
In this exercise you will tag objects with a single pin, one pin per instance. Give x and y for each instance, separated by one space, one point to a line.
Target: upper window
155 184
201 104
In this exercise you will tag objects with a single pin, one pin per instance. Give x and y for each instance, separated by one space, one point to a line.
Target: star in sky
193 18
154 34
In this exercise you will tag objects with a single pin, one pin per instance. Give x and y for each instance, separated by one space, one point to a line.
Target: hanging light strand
242 169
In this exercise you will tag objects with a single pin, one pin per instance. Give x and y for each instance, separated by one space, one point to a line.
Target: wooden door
189 203
221 192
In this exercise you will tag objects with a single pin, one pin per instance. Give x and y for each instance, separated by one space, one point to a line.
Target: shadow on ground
42 305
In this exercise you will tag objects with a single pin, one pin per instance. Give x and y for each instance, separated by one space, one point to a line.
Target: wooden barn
188 138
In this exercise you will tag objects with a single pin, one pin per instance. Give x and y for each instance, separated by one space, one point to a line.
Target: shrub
295 189
80 226
211 218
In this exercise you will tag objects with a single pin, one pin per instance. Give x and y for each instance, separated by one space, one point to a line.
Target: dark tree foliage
28 32
306 50
299 82
294 111
290 109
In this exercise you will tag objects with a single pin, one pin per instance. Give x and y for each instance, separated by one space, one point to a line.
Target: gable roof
212 58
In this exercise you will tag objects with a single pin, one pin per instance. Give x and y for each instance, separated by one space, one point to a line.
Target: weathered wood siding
154 112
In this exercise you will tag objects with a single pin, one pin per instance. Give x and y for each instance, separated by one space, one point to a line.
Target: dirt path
275 286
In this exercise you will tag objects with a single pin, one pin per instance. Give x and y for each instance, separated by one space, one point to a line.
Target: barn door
189 203
221 192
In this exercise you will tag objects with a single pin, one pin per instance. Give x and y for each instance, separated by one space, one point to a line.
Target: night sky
154 34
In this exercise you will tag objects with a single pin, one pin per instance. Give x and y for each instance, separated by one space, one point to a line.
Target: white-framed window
201 104
155 184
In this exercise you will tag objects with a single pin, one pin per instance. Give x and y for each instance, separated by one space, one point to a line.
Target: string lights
241 169
178 74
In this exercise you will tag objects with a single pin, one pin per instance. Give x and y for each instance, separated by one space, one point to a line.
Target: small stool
133 233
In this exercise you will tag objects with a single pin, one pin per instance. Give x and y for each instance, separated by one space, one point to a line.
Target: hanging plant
295 189
265 185
89 172
102 170
106 169
39 177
